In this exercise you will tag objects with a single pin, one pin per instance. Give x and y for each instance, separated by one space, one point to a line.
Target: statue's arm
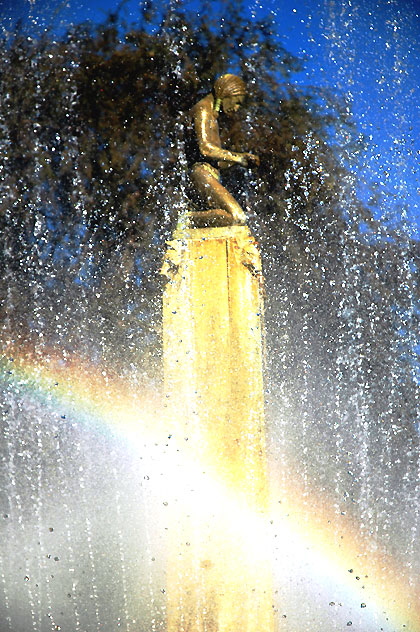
205 135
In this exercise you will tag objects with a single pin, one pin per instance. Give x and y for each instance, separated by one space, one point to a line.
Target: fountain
111 516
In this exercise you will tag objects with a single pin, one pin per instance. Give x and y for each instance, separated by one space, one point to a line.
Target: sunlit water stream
87 465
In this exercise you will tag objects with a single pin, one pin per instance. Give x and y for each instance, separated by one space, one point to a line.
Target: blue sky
367 50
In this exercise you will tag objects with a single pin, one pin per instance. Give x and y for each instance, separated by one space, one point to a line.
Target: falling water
356 454
87 464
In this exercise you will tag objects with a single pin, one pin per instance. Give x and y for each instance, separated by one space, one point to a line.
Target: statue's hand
225 164
249 160
253 160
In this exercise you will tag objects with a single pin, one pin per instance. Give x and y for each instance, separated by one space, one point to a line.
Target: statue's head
229 91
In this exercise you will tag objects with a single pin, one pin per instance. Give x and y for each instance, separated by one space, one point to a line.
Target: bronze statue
228 94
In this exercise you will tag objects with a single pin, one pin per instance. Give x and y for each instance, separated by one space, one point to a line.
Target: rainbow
321 562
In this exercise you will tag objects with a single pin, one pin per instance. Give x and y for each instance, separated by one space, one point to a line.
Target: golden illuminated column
218 576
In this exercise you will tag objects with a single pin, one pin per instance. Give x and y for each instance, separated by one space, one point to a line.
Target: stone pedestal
219 575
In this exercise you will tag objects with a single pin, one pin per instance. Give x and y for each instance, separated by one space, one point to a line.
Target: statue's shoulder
205 105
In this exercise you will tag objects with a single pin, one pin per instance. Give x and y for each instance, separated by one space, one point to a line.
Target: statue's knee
205 172
197 175
198 169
